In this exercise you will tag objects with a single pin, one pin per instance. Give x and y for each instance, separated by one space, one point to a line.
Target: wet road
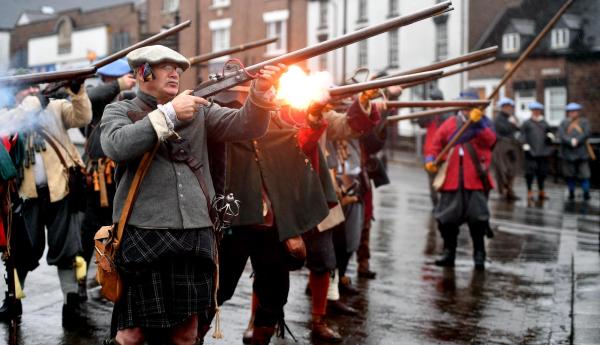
543 265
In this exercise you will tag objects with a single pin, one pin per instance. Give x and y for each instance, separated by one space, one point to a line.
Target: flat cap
468 95
505 101
574 107
116 68
535 105
156 54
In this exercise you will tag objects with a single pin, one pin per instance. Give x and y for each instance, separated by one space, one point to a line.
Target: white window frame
441 46
220 35
560 38
363 53
271 19
220 3
170 6
511 43
393 48
323 14
363 11
554 109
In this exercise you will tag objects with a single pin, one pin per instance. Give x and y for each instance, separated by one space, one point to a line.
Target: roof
531 16
12 9
523 26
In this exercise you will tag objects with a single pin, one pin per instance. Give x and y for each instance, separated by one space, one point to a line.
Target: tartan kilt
174 285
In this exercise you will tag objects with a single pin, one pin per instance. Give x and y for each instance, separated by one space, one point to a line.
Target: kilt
167 277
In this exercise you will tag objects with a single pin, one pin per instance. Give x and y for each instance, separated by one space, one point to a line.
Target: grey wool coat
170 196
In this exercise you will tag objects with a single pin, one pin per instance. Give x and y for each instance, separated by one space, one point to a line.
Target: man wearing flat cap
166 256
574 151
537 139
507 152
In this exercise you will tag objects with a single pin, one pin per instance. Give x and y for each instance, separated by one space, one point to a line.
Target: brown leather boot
530 199
321 331
262 335
247 337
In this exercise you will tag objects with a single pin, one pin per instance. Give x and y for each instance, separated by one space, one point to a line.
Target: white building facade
67 47
412 46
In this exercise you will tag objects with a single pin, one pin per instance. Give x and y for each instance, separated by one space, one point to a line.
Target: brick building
219 24
47 40
564 68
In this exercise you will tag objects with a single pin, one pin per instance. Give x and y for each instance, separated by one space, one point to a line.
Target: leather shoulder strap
52 143
139 174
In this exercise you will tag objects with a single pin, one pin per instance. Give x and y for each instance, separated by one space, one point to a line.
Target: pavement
541 284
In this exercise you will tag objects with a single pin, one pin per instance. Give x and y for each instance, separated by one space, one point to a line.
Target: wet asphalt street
541 284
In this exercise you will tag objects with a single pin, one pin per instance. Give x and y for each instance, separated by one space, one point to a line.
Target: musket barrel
473 56
242 47
379 83
212 87
86 72
153 39
469 67
47 77
425 113
435 104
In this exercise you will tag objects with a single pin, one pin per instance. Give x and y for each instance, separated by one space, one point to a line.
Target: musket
86 72
424 113
218 83
473 56
435 104
536 41
242 47
341 91
444 74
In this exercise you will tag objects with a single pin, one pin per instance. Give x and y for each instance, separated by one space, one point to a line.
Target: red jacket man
462 195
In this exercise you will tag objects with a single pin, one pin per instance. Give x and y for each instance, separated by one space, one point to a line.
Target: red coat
482 142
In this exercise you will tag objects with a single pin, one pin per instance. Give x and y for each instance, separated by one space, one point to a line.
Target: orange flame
299 90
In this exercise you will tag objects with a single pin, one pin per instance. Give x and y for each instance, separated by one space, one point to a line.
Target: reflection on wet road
525 295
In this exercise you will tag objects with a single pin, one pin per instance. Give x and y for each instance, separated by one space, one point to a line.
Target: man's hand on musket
187 105
268 76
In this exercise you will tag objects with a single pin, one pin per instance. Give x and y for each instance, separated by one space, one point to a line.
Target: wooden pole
507 76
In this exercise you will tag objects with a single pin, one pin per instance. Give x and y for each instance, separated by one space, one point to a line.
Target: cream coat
56 119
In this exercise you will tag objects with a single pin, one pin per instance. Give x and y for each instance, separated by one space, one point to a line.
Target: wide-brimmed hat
535 105
574 107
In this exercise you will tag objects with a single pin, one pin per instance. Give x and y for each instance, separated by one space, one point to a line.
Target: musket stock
435 104
240 48
220 83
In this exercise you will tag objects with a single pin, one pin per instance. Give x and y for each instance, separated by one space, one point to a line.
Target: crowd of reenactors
301 180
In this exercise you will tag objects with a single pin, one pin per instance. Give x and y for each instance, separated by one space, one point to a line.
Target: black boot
449 234
72 316
477 231
447 258
10 309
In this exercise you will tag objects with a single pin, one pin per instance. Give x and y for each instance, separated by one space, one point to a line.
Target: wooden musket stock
240 48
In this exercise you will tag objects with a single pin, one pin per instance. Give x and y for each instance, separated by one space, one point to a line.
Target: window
555 98
560 38
393 49
170 6
220 3
120 40
441 40
220 39
362 10
276 25
511 43
363 53
393 7
220 30
65 28
323 13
